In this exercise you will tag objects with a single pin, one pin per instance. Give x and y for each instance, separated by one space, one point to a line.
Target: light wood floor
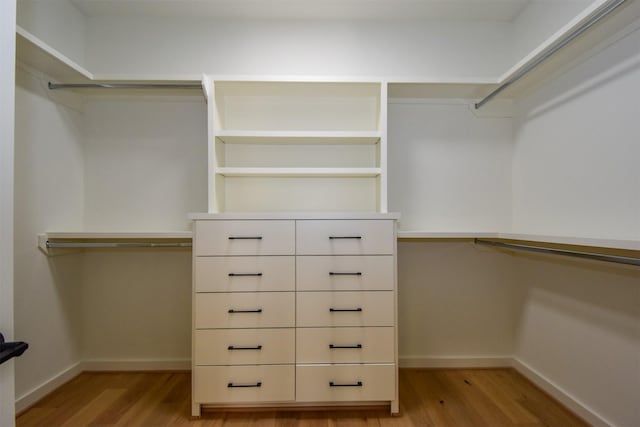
457 398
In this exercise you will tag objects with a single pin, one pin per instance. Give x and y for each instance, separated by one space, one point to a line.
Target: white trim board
576 406
31 397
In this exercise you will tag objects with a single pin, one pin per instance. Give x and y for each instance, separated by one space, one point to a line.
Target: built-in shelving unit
296 145
276 141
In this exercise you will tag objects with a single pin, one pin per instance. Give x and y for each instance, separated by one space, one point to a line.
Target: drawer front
345 309
345 345
244 274
244 346
345 237
245 310
274 237
244 384
345 273
343 383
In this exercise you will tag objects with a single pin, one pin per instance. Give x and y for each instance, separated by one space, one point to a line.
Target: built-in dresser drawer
276 237
345 273
345 383
345 345
244 384
245 310
245 274
244 346
317 309
345 237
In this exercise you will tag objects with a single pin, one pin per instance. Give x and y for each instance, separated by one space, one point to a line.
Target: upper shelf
37 54
298 137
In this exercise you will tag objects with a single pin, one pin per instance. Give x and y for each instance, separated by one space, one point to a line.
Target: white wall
7 93
58 22
145 170
145 162
120 45
575 165
455 300
137 306
49 188
580 329
448 169
117 163
575 173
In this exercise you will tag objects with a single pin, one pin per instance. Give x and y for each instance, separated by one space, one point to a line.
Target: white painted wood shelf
156 237
298 137
623 244
299 172
38 55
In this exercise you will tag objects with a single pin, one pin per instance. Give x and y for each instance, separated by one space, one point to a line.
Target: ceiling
485 10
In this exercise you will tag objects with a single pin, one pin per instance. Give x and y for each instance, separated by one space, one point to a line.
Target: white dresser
293 310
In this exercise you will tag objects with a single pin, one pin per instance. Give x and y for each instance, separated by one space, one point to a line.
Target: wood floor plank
88 414
428 398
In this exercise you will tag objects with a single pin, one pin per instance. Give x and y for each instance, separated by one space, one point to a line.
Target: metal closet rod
69 245
53 86
556 47
577 254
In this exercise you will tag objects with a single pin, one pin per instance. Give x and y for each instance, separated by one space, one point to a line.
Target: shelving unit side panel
382 150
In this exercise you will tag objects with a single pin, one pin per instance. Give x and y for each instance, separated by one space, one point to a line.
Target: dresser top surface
292 215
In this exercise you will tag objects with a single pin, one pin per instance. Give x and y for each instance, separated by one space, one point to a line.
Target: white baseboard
31 397
136 365
455 362
559 394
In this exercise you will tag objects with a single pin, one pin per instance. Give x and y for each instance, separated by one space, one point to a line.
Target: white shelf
445 235
86 235
298 137
293 215
111 236
298 172
36 54
633 245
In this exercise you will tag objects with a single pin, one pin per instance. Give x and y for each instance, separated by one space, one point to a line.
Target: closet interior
177 117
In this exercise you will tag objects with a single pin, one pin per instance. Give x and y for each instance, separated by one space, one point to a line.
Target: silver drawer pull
257 310
233 347
333 273
245 237
345 237
245 274
232 385
340 310
333 346
356 384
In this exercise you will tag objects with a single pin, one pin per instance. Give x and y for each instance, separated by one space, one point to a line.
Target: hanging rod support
577 254
554 48
53 86
69 245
